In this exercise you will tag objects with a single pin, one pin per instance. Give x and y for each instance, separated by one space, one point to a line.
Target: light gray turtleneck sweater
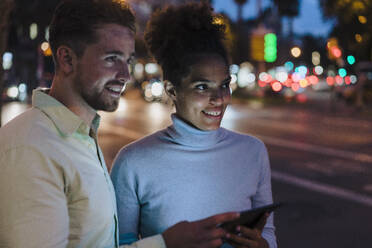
182 173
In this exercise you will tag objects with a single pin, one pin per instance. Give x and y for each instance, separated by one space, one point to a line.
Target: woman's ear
170 90
66 59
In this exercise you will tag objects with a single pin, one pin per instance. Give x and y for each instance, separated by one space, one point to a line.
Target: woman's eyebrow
195 80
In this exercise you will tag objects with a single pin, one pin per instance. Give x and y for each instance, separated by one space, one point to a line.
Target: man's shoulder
28 128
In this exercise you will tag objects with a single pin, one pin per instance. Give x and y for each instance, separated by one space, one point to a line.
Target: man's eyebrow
132 56
117 52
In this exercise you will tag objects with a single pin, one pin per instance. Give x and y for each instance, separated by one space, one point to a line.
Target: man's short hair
75 21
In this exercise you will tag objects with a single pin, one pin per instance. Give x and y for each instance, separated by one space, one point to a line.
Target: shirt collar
64 119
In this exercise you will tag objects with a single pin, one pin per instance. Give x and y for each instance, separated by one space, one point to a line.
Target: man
55 190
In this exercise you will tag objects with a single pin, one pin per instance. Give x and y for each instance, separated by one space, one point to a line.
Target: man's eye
130 61
111 59
201 87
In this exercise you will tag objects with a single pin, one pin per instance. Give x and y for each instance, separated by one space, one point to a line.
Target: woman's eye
226 85
201 87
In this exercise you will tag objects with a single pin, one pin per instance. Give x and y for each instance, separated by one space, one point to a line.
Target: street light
362 19
296 52
315 58
45 47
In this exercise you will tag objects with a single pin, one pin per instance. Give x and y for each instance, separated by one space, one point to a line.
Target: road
321 165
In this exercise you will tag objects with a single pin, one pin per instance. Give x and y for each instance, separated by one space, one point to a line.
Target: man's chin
110 108
106 107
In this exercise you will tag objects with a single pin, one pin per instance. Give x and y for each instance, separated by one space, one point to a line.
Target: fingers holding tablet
251 218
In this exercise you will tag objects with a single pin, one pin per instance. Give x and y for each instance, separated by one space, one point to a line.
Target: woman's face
202 97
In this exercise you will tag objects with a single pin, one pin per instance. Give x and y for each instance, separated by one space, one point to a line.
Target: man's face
103 69
204 94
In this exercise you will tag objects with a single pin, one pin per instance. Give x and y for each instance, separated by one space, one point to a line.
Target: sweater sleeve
128 205
263 196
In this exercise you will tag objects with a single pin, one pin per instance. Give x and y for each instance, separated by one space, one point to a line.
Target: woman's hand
198 234
250 238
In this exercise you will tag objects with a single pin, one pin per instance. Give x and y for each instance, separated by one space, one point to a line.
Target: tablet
250 218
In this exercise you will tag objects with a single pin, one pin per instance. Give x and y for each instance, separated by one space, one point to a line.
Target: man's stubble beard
94 99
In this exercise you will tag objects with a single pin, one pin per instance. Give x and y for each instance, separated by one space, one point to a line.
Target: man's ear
66 59
170 90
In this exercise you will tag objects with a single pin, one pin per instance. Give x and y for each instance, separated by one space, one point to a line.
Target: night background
301 81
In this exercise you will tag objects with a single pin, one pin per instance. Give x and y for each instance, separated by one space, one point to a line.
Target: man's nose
124 73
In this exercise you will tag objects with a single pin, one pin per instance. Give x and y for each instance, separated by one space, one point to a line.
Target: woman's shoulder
143 149
151 141
242 138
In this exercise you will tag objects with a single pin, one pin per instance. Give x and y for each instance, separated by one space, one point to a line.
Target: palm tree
290 9
240 4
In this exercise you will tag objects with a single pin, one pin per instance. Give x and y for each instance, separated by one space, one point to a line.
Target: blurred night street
301 81
321 162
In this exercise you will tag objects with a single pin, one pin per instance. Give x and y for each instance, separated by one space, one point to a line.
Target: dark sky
309 21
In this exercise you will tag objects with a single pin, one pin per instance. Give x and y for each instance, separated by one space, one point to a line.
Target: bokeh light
276 86
289 66
304 83
353 79
358 38
234 69
342 72
151 68
315 58
350 59
296 52
362 19
330 80
7 60
33 31
339 80
318 70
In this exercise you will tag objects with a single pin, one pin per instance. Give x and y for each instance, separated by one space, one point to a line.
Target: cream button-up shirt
55 190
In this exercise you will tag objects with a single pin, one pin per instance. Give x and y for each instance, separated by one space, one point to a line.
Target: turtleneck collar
185 134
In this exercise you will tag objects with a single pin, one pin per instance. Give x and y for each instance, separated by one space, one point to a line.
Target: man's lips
115 88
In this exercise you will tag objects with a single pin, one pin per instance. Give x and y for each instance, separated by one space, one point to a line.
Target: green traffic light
350 59
270 38
270 47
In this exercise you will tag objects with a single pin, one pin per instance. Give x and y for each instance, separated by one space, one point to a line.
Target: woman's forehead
209 67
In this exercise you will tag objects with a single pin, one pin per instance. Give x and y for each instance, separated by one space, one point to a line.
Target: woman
194 168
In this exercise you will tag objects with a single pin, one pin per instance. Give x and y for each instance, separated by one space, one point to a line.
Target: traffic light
334 51
270 50
258 47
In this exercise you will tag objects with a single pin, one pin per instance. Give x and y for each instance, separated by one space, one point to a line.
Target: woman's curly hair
178 35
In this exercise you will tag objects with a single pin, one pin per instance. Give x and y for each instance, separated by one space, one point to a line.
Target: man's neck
65 93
